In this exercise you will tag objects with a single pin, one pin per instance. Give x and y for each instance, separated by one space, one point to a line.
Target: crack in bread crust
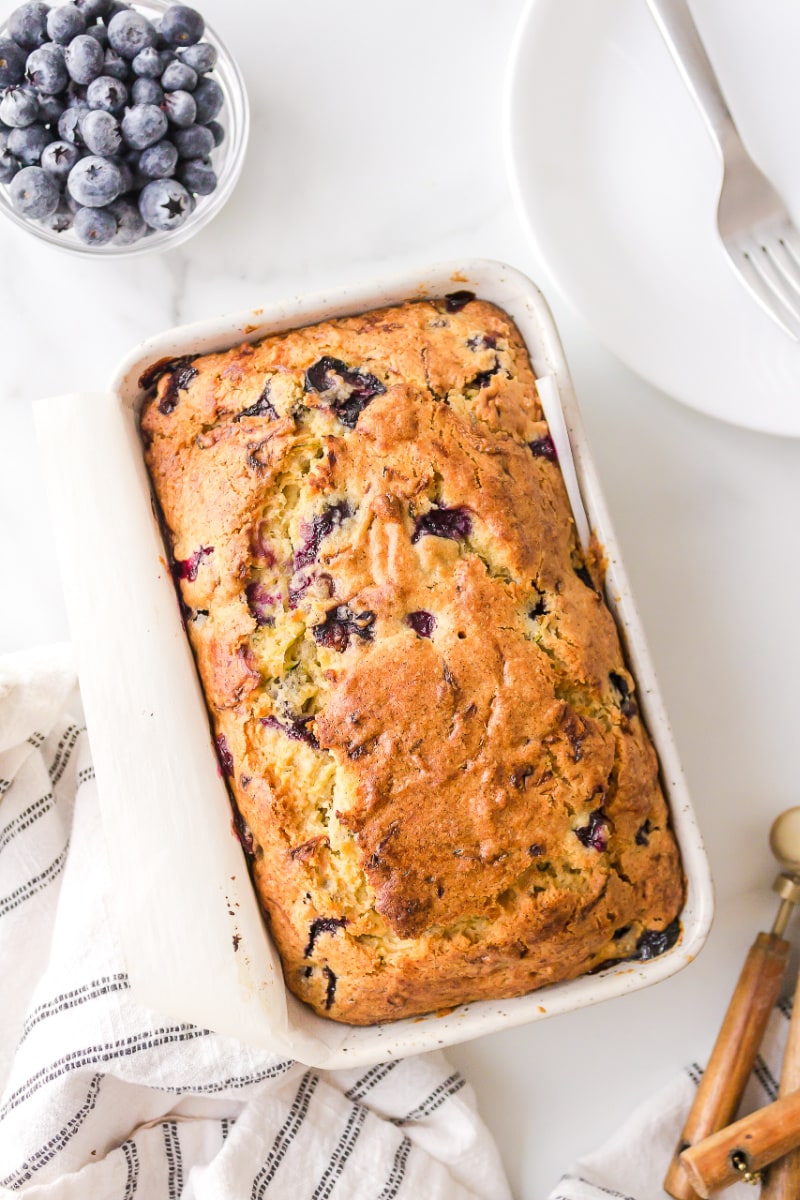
419 696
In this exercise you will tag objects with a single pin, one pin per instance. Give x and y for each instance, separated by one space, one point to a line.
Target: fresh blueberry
8 165
453 523
148 63
179 78
27 25
129 33
143 125
75 94
60 220
84 58
130 226
99 33
209 100
194 142
27 144
64 23
128 173
58 159
101 132
94 181
93 9
180 108
12 63
94 226
198 175
182 26
201 57
217 132
107 93
115 66
147 91
158 161
34 193
50 108
165 204
69 124
19 107
46 69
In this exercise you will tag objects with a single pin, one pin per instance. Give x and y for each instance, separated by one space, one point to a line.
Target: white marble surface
376 143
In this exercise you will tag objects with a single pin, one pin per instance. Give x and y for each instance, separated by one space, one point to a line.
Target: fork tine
781 269
761 255
767 285
790 238
787 255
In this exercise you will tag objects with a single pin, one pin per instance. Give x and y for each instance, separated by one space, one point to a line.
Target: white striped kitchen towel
101 1099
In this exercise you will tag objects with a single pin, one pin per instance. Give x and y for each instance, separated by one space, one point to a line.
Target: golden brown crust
418 692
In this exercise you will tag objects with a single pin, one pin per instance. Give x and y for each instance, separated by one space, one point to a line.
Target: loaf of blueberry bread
418 695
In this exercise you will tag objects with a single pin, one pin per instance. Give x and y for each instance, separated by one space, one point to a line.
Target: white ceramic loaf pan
197 948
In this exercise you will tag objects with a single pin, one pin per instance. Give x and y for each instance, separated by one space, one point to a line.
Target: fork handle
679 31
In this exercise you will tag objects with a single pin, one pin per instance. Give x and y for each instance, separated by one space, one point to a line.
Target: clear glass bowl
227 160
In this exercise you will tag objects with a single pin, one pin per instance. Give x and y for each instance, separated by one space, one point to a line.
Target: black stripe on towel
285 1135
102 1053
344 1148
398 1171
372 1078
172 1149
35 885
25 819
233 1081
74 998
132 1159
447 1088
64 752
56 1143
765 1077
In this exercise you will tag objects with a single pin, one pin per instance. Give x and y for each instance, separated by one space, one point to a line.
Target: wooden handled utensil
743 1150
742 1030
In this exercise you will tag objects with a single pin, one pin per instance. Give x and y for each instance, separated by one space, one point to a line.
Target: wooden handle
783 1179
755 1142
733 1055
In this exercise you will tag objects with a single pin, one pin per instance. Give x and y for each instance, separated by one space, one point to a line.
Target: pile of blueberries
107 118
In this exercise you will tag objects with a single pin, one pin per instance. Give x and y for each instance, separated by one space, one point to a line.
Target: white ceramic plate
616 182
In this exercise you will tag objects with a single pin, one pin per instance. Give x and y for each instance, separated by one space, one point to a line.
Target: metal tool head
784 840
